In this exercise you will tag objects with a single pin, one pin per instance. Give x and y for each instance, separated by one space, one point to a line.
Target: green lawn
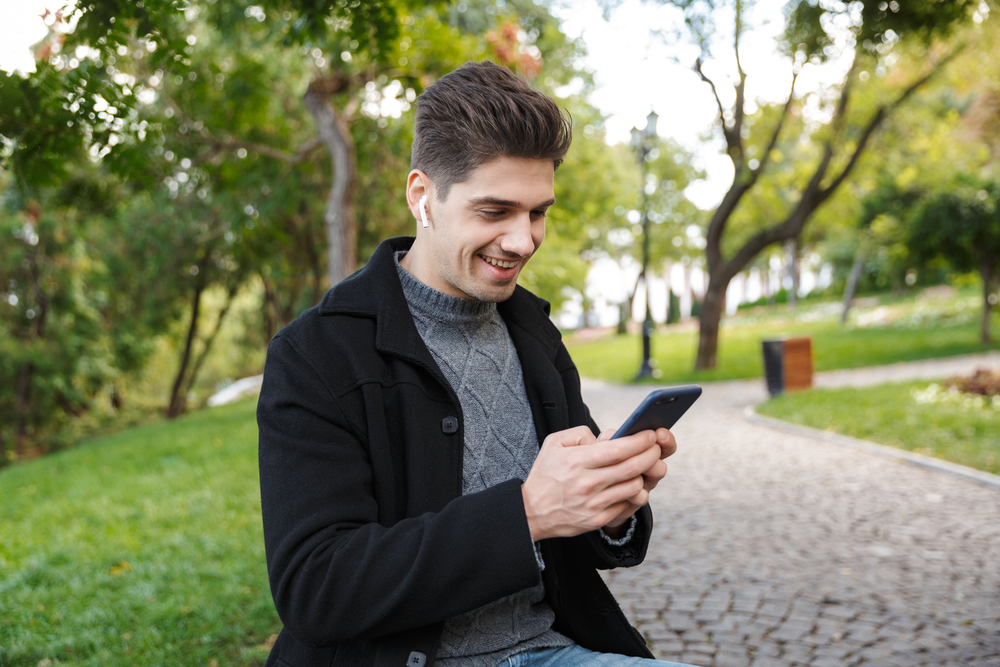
902 331
140 548
888 414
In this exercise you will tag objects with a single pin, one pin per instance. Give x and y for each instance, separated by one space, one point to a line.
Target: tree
961 225
870 36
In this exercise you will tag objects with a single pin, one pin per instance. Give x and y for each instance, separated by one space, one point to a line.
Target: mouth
501 269
500 263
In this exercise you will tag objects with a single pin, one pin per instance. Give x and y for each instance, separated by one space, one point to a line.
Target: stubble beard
484 290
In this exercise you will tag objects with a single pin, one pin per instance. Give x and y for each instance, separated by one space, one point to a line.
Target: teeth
501 264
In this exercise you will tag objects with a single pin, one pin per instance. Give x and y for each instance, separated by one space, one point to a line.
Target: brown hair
481 112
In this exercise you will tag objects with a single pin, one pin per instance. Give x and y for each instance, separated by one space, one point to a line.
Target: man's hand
668 445
577 485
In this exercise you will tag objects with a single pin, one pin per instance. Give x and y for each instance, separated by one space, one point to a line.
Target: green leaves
805 32
812 26
960 224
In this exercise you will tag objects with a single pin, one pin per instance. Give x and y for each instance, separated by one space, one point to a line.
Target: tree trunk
193 375
23 388
338 216
792 250
178 401
631 295
989 278
686 290
852 282
710 318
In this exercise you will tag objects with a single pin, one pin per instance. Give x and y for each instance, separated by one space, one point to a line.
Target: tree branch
220 145
766 156
879 117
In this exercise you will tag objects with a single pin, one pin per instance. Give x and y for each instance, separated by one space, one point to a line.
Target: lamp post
642 142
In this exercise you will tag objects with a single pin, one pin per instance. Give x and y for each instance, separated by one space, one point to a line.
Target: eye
492 214
539 213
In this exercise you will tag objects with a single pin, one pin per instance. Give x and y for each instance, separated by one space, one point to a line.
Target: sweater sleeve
336 574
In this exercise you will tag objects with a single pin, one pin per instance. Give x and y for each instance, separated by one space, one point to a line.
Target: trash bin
788 364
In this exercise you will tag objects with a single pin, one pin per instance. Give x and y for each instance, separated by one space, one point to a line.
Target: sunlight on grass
888 414
143 547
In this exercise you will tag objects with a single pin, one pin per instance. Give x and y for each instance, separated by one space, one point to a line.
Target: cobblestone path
774 548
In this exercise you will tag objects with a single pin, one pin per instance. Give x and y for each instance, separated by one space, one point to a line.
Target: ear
418 187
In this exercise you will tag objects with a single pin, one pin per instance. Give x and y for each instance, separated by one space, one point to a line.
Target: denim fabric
577 656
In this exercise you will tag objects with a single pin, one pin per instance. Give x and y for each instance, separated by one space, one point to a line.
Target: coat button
449 425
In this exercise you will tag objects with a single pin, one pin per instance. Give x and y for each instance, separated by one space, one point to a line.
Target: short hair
479 113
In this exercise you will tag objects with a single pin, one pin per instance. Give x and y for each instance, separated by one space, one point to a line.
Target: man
410 517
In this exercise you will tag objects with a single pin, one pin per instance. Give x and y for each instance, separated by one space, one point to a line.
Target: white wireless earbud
423 210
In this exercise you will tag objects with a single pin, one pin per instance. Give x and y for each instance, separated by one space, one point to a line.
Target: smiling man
434 490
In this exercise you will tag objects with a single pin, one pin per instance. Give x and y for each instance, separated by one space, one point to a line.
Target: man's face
485 232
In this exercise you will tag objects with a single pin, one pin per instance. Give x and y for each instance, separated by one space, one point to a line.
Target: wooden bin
788 364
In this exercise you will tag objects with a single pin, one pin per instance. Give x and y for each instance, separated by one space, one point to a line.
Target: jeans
577 656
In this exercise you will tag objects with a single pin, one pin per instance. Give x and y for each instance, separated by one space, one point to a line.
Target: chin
494 294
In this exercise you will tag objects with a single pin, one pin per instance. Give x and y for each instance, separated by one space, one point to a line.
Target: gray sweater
470 343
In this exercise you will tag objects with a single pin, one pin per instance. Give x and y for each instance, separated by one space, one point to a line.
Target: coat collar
375 292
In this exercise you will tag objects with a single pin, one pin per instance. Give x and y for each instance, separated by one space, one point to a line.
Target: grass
888 414
139 548
899 330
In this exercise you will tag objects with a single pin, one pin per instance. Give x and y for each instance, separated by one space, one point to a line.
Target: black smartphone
661 409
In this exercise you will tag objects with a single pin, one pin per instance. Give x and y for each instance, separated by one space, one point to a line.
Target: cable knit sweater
470 343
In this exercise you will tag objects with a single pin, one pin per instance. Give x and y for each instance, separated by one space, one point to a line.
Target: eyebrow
509 203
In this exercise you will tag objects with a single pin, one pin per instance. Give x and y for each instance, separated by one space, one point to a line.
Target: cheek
538 235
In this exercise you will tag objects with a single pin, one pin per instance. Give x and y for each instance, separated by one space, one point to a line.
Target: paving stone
725 659
759 528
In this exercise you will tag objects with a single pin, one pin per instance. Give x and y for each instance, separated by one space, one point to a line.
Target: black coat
370 543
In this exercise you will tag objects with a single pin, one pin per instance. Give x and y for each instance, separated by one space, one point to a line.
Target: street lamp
642 142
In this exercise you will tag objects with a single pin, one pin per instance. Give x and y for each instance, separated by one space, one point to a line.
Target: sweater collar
375 291
429 302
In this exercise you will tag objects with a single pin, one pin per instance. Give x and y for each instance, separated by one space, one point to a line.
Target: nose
518 239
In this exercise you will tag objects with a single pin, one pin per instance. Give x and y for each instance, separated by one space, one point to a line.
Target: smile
500 263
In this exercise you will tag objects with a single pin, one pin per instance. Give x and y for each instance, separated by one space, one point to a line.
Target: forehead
528 181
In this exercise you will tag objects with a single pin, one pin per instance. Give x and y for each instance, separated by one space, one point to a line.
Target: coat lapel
375 291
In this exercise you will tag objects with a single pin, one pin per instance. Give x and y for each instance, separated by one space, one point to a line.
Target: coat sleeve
337 575
598 552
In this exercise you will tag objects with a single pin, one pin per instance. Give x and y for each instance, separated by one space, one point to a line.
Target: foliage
961 225
139 548
673 308
887 414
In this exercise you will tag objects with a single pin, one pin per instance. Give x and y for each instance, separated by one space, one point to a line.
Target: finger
628 469
615 515
622 517
606 434
667 442
617 493
657 471
615 451
571 437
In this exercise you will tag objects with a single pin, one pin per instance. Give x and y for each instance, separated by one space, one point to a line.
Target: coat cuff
622 541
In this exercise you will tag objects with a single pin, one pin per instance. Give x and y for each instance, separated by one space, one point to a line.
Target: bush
983 382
